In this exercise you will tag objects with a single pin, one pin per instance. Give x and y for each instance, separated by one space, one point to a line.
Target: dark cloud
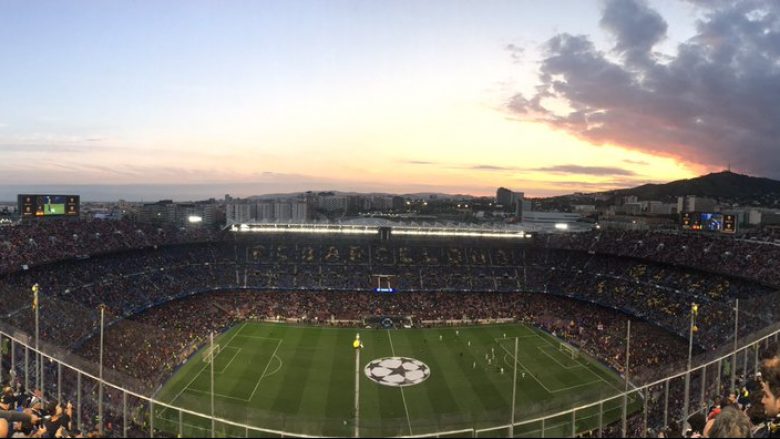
516 52
636 162
635 26
589 185
585 170
714 102
454 166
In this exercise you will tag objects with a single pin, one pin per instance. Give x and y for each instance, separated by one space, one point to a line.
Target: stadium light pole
686 397
357 345
736 346
211 358
625 392
100 383
38 366
514 392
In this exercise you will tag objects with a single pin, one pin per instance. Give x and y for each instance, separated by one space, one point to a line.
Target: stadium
307 330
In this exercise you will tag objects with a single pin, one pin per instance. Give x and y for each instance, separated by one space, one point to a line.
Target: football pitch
301 380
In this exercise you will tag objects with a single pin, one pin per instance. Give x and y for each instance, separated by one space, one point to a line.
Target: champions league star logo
397 371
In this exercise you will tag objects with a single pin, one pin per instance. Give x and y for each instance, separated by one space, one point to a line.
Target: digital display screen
49 205
709 222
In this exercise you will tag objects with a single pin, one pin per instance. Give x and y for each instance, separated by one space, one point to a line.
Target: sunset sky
252 97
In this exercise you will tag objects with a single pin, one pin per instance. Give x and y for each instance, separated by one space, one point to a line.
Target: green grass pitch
301 380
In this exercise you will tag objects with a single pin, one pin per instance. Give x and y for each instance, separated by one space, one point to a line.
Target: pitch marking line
589 370
576 366
257 386
257 337
403 397
273 372
200 372
564 389
219 395
585 366
509 362
224 369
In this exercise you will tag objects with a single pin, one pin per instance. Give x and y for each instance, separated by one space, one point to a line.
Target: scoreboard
32 206
709 222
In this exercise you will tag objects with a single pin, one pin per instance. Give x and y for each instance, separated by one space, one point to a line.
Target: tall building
299 211
282 212
265 211
268 211
240 212
511 201
504 197
163 211
333 203
518 199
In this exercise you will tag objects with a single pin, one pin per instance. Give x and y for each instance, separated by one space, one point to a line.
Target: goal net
210 353
384 283
569 351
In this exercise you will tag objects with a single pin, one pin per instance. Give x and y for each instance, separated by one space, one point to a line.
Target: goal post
569 351
384 283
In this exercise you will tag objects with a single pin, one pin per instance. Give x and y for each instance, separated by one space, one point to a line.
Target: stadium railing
140 415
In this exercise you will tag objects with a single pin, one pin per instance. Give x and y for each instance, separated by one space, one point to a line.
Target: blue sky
349 95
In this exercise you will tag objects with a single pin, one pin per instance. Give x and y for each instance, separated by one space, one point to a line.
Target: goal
569 351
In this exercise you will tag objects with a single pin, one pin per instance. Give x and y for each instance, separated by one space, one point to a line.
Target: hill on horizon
723 185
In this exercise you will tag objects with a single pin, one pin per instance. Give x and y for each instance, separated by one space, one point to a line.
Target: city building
250 211
168 212
511 201
692 203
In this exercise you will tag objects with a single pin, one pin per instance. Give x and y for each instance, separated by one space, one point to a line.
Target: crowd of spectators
750 409
753 259
129 282
38 242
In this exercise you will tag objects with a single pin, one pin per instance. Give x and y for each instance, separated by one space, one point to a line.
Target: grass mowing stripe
403 396
265 371
434 400
314 398
381 407
482 386
339 399
296 375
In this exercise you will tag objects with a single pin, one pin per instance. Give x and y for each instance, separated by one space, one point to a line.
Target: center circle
397 371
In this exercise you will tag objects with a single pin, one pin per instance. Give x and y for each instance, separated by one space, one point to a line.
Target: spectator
770 383
731 422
